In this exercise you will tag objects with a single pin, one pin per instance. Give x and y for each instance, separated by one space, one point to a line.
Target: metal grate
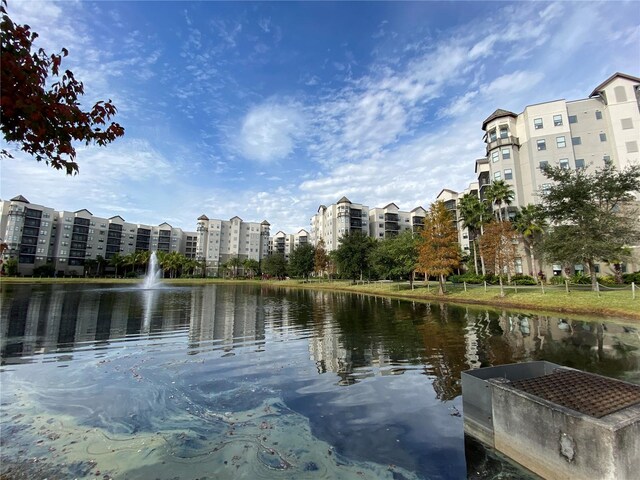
584 392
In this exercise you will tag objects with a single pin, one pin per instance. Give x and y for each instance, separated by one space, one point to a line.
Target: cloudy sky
267 110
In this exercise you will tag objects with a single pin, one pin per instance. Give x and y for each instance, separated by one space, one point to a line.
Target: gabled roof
20 198
302 230
418 208
164 224
391 204
264 222
116 217
600 87
203 217
322 207
498 114
344 200
83 210
447 190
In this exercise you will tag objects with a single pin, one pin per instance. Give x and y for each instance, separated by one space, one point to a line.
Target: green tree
251 267
592 214
530 222
275 265
498 193
301 260
321 259
438 249
41 115
475 214
352 256
117 261
396 257
10 267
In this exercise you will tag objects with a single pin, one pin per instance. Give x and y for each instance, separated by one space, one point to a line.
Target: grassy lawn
615 303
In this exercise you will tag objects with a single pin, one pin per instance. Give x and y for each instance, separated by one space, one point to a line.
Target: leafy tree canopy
352 256
45 118
592 214
302 260
396 257
275 265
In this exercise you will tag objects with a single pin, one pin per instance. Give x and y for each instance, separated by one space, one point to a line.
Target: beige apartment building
334 221
36 235
285 243
579 134
220 240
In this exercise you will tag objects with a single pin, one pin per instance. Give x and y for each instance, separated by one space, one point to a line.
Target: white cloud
269 132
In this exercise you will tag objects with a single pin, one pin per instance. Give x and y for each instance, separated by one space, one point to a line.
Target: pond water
224 381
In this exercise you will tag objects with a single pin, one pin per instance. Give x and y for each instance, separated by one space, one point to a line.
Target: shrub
523 280
580 279
607 280
559 280
630 278
47 270
467 277
131 275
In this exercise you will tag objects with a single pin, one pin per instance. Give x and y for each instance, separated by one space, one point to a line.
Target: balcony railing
499 142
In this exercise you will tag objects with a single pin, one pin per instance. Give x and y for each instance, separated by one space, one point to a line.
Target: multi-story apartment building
284 243
332 222
220 240
37 235
580 134
390 220
585 133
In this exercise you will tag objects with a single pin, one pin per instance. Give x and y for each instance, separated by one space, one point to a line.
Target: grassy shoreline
555 299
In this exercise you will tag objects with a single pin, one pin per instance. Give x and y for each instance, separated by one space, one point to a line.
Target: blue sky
267 110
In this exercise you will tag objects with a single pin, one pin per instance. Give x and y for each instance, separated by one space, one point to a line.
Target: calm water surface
243 382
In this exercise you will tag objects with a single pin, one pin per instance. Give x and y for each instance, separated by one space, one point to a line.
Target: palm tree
499 192
474 215
117 261
251 266
531 223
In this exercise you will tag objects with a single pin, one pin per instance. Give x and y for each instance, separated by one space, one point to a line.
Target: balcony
391 227
391 217
499 142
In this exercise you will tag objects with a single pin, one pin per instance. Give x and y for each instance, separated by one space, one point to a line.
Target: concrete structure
220 240
36 235
592 430
285 243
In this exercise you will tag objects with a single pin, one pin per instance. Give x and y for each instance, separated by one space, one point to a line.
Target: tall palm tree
474 214
531 223
500 192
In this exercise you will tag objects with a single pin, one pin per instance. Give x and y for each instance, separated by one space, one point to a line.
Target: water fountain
152 278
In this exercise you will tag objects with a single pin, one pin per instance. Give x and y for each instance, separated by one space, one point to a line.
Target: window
542 145
546 187
573 119
598 115
497 176
494 156
603 137
579 163
621 94
492 135
557 120
506 154
504 132
632 147
508 174
606 159
561 142
543 164
627 123
576 141
564 163
537 123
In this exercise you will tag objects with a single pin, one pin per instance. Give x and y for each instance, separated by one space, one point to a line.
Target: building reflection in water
350 335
